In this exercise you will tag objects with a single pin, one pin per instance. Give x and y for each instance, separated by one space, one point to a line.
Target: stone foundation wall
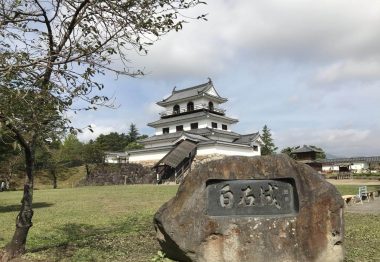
198 160
119 174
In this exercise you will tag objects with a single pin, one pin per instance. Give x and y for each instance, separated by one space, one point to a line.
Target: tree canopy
50 55
288 150
268 147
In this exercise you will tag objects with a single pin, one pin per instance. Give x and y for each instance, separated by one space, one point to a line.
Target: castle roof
247 139
202 136
305 149
206 89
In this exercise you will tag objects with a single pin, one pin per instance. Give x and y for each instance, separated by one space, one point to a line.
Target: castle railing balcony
197 108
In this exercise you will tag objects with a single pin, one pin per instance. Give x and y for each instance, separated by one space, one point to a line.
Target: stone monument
253 209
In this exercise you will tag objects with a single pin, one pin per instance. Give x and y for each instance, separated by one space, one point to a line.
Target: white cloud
293 30
153 109
349 71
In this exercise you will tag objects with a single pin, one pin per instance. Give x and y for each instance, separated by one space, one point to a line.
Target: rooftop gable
248 139
191 92
305 149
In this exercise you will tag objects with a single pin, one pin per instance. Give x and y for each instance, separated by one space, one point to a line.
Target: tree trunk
88 172
24 218
54 177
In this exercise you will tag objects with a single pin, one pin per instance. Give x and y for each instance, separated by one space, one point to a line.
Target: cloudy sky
310 70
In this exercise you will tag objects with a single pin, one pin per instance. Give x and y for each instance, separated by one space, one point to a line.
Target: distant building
308 155
115 157
352 164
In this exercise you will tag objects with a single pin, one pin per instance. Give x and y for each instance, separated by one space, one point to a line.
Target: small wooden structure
308 156
175 163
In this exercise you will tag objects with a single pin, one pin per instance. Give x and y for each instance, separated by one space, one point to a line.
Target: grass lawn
114 223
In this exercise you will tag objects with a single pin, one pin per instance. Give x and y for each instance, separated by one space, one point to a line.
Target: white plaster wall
329 168
212 92
359 166
114 160
355 166
226 150
111 160
146 156
158 144
186 126
202 150
197 102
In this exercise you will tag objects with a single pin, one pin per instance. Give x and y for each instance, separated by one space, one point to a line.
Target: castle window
211 106
165 130
214 125
255 148
176 109
224 127
194 126
190 106
179 128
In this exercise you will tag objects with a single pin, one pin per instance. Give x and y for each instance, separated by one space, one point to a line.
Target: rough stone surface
186 232
118 174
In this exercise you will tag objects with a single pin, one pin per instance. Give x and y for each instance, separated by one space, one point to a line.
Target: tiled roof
195 137
246 139
169 137
209 131
202 135
305 149
370 159
177 154
188 92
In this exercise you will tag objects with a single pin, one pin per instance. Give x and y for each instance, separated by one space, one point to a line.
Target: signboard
251 197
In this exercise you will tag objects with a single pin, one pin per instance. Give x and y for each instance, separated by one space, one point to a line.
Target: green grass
353 189
109 223
114 223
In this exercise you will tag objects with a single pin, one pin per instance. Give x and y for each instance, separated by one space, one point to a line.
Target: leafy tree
10 159
288 150
50 55
133 146
49 158
112 142
133 133
71 151
268 147
92 154
142 137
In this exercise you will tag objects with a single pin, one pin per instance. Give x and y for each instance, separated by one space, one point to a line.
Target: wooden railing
344 175
196 107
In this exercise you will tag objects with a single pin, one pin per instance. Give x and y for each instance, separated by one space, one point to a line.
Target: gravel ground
372 207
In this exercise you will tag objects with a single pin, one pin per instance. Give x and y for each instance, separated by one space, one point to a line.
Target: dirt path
372 207
364 182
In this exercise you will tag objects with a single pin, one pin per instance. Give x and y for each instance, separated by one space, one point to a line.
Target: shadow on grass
133 237
12 208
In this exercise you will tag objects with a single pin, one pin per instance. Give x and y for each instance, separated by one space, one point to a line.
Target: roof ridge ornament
174 89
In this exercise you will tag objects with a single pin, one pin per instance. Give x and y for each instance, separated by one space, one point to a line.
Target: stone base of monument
253 209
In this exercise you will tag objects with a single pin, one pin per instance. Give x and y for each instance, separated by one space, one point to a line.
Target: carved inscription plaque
251 197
